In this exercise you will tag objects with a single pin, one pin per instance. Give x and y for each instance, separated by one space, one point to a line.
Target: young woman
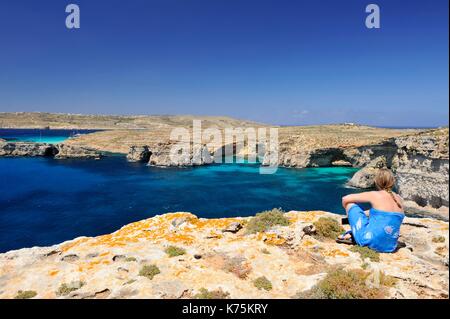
381 228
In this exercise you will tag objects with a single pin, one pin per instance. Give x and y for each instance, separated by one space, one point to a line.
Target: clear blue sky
282 62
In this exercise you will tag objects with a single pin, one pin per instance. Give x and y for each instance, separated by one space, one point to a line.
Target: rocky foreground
181 256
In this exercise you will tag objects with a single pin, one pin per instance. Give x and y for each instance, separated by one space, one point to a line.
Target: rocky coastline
419 159
420 162
179 255
57 151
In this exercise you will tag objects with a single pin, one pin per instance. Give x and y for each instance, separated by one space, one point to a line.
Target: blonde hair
384 181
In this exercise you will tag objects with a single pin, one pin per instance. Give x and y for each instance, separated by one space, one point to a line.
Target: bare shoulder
368 196
373 194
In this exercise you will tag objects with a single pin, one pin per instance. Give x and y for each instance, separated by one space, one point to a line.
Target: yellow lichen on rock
218 255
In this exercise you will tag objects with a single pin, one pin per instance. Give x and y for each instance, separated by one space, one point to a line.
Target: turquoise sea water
45 201
39 136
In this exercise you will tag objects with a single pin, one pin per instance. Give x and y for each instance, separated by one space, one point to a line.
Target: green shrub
263 221
27 294
327 227
149 271
129 282
130 259
366 252
263 283
66 289
342 284
265 251
438 239
214 294
174 251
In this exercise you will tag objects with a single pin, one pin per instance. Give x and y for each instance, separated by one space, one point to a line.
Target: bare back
380 200
383 200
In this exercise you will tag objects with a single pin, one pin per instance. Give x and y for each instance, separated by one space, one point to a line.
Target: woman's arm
365 197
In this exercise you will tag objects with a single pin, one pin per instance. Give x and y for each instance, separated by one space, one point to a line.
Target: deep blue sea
44 201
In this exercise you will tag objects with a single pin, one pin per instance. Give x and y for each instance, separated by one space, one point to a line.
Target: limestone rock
341 163
139 154
363 155
289 156
171 154
289 258
72 151
413 209
421 167
364 178
26 149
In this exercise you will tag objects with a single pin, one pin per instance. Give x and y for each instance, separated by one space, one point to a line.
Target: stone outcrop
300 158
58 151
27 149
295 155
219 254
71 151
364 178
413 209
421 167
363 155
167 154
139 154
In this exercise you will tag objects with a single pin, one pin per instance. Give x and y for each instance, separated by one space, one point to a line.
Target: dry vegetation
112 122
348 284
263 221
327 227
27 294
213 294
149 271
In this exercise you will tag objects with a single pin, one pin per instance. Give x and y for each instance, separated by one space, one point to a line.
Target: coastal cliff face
179 256
58 151
26 149
161 156
421 166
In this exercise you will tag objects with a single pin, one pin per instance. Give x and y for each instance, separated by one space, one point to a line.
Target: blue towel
379 232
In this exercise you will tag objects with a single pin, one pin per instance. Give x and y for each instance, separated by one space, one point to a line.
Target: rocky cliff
27 149
160 155
181 256
58 151
421 166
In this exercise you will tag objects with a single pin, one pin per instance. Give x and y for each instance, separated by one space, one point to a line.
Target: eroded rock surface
422 168
139 154
169 154
71 151
26 149
292 259
364 178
